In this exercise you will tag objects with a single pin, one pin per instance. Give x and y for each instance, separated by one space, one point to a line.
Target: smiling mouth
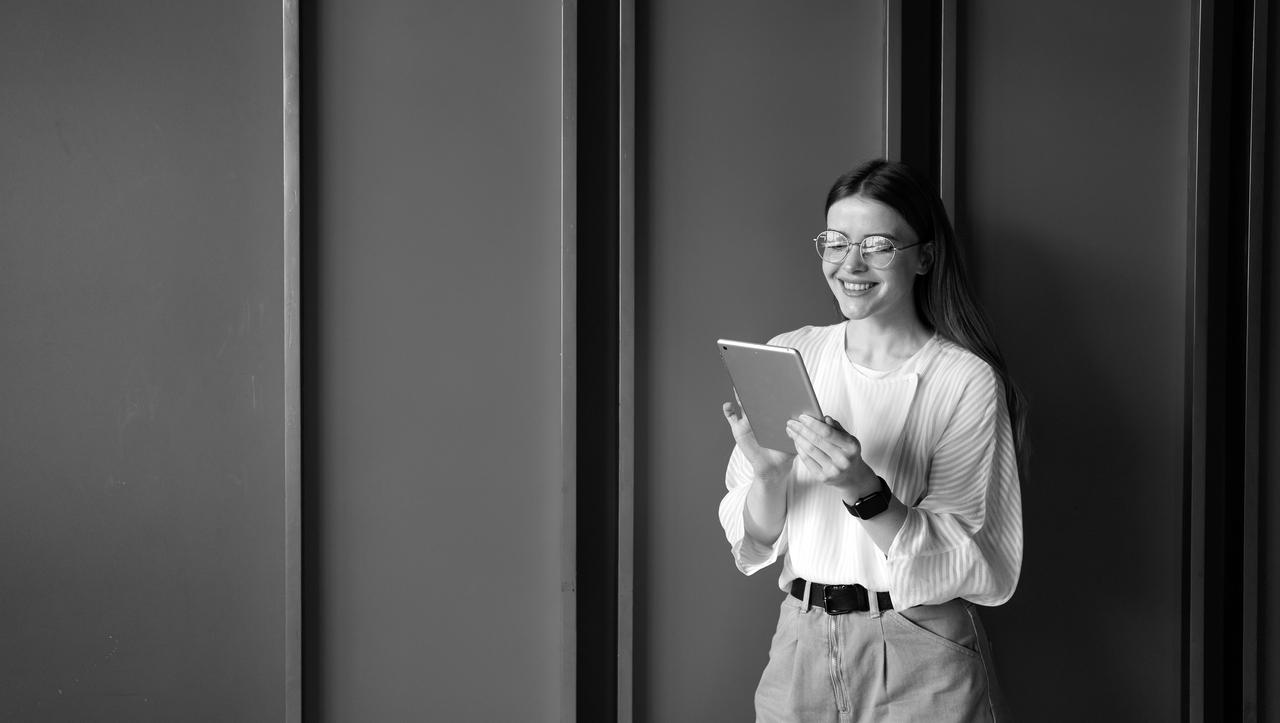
852 287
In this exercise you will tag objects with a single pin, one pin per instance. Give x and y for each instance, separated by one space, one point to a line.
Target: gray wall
142 431
142 423
1073 180
435 154
745 119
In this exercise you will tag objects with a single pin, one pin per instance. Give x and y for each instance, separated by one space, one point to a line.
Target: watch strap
873 504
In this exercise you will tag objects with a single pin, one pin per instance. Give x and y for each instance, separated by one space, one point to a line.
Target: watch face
871 505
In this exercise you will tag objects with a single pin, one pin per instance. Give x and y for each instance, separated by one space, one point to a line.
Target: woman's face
863 291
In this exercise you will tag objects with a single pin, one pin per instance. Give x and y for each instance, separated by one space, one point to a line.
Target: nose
853 261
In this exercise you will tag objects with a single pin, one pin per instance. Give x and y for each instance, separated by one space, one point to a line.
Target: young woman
901 511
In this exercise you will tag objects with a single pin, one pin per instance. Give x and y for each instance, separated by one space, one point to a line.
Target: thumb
738 423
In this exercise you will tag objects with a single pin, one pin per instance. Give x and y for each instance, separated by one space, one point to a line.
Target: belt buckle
833 609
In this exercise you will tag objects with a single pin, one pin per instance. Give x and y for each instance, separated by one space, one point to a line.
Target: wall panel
433 148
143 420
744 119
1072 168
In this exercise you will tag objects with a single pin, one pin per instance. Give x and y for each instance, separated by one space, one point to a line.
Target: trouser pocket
934 670
948 625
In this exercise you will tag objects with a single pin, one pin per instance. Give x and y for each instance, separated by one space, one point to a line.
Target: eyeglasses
877 251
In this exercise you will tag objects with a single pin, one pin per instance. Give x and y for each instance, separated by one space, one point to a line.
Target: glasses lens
832 246
877 251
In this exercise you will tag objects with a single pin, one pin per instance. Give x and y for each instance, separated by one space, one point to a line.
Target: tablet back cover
772 386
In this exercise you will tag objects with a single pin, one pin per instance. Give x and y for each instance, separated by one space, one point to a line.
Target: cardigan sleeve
749 554
964 539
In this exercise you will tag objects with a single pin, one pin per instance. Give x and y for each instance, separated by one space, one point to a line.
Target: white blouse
937 430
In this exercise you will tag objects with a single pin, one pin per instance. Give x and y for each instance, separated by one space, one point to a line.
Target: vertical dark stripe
892 146
597 363
1252 348
1193 560
921 94
921 77
1220 563
1221 491
640 698
948 77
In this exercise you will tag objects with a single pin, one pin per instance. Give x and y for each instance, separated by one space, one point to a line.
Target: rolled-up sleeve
749 554
964 539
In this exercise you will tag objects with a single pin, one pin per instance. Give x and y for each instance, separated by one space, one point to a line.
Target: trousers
926 663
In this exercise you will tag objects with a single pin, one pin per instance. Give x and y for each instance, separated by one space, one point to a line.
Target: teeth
856 287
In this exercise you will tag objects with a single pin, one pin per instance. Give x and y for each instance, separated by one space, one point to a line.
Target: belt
839 599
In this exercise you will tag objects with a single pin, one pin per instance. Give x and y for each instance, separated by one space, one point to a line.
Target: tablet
773 388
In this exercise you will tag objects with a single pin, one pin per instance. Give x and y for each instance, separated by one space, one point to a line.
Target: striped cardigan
936 428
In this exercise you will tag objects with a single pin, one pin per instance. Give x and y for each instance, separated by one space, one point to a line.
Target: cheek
906 283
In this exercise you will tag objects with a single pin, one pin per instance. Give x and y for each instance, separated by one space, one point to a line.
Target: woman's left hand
833 455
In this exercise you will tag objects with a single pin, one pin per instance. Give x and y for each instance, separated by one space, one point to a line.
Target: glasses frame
862 248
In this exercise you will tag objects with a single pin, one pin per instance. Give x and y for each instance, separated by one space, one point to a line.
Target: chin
855 313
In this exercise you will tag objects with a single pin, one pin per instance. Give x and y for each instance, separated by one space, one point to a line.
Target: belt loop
873 603
805 605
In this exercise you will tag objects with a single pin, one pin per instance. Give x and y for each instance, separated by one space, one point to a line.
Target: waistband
840 599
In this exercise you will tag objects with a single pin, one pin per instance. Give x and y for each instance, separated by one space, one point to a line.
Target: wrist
864 483
870 506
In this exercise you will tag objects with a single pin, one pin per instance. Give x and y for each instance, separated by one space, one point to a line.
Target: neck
882 343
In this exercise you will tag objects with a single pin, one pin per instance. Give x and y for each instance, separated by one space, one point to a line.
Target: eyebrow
889 236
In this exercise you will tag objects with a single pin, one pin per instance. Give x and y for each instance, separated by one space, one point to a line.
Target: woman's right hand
770 466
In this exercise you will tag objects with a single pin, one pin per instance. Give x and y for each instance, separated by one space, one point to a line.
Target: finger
814 461
814 467
818 427
733 413
848 442
819 436
833 439
806 448
740 427
808 461
834 458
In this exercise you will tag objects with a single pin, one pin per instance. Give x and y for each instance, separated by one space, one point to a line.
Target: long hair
943 298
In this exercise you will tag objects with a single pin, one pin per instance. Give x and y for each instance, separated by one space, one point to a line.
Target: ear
926 259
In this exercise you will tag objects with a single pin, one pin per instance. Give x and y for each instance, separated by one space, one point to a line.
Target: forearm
766 510
884 526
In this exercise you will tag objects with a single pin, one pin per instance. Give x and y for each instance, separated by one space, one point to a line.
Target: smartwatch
873 504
